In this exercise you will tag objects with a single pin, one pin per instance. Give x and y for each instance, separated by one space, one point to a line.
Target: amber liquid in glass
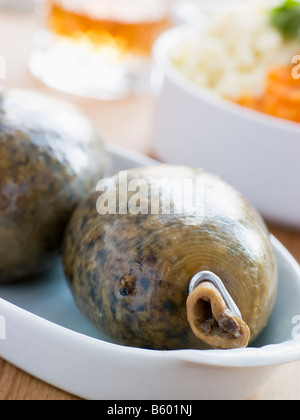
134 37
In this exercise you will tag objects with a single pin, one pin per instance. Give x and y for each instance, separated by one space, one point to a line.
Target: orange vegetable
281 97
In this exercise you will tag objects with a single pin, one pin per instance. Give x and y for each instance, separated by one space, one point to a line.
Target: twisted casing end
213 316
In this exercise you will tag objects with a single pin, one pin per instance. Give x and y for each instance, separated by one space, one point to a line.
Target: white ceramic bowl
46 336
256 153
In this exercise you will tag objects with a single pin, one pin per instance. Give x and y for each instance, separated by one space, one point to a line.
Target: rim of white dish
161 54
271 355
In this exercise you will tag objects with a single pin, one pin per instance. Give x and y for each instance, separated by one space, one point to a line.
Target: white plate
47 337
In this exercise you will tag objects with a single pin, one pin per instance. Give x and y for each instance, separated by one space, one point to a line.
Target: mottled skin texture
130 273
50 158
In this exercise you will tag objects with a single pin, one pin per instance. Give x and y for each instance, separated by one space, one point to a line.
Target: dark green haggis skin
130 274
50 159
116 284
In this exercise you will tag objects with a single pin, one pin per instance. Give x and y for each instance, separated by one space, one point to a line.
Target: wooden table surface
126 123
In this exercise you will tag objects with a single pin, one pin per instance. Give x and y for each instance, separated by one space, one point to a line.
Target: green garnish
286 18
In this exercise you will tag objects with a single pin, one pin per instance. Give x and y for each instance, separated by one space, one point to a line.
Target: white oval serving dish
46 336
256 153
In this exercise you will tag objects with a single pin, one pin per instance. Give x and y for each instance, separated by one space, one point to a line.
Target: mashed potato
233 53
